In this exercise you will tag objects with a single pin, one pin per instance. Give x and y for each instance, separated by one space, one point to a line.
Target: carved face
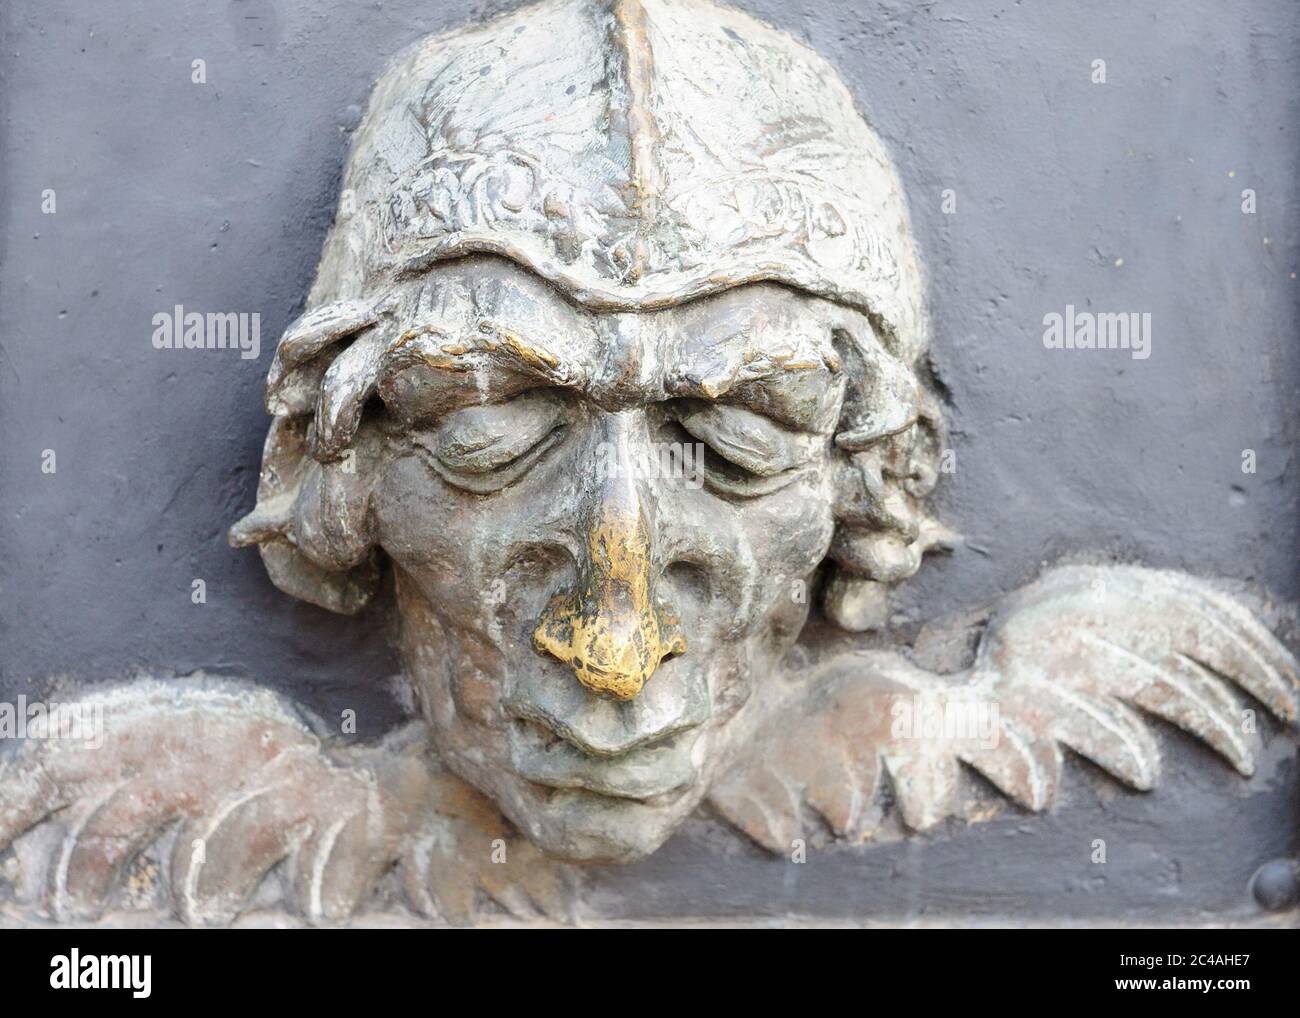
568 372
603 528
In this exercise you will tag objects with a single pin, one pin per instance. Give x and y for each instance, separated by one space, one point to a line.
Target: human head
569 239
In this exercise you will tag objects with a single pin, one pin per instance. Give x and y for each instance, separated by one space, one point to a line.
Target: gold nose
608 629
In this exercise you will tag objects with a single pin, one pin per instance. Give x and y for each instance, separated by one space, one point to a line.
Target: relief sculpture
616 367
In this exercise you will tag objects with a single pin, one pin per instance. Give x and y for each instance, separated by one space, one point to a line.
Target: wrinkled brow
782 366
764 353
457 348
458 339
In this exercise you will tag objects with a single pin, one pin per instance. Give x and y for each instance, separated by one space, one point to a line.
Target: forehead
484 330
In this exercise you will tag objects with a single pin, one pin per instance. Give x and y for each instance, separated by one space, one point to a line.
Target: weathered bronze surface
574 244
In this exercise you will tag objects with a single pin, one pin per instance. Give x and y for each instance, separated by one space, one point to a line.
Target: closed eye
483 449
746 454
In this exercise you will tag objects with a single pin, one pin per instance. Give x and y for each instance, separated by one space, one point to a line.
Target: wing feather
1080 660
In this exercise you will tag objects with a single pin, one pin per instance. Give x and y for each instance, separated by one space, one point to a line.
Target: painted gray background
218 197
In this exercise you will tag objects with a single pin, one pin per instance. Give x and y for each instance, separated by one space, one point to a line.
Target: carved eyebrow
531 354
889 400
798 394
311 375
472 355
449 362
440 345
308 374
775 360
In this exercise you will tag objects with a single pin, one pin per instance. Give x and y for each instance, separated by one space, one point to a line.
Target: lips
649 772
563 737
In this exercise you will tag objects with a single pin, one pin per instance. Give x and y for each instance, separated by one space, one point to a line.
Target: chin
581 826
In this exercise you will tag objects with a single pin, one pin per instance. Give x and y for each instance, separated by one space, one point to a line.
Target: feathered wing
224 783
1079 660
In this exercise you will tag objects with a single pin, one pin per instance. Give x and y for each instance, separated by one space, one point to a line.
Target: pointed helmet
635 154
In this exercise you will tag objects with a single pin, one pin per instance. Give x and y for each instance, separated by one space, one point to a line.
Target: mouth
656 774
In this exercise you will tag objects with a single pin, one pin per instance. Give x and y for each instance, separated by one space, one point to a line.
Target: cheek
487 566
409 508
798 527
750 560
453 594
431 535
790 532
457 680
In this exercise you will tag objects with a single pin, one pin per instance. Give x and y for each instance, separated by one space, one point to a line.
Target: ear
311 521
886 448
